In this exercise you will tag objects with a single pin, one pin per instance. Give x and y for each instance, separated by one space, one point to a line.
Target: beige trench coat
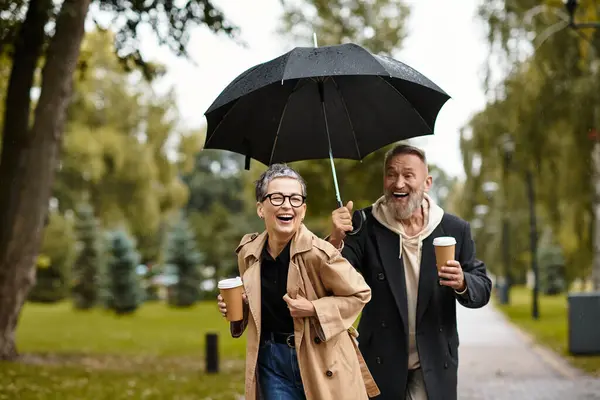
330 363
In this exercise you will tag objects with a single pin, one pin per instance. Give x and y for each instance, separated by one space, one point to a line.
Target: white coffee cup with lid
231 290
444 250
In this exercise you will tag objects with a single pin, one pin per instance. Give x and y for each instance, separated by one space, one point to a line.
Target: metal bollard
212 353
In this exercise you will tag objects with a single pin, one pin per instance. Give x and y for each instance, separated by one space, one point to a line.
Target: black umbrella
322 102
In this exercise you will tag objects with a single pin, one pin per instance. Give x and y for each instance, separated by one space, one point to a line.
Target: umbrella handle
362 220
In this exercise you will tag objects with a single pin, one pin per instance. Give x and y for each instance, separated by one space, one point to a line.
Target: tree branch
62 57
27 53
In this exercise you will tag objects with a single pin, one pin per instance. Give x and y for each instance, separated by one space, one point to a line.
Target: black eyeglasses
277 199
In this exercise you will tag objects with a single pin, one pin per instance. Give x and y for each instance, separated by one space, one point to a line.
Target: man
408 332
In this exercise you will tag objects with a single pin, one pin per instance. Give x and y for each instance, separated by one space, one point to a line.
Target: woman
302 298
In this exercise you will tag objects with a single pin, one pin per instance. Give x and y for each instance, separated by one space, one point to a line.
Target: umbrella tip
315 39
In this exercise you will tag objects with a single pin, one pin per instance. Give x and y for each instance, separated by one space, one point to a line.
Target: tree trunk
29 156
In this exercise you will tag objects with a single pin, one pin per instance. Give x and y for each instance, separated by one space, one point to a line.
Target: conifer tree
87 266
183 256
123 290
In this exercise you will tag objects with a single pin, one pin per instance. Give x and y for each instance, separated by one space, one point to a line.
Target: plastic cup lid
444 241
230 283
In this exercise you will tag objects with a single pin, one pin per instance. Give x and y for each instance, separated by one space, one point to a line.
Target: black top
273 283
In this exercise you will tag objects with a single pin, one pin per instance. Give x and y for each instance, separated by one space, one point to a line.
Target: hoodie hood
432 212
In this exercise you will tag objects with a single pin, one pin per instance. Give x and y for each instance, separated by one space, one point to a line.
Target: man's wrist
463 291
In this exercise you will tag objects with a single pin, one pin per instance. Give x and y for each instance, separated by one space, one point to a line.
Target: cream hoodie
410 251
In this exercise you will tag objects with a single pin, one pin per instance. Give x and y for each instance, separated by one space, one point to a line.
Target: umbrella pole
335 182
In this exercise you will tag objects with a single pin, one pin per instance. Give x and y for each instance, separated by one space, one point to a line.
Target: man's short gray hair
403 149
276 171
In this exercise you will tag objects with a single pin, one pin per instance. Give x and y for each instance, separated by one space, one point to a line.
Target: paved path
498 362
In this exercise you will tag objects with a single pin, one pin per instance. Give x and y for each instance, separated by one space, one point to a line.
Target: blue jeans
278 372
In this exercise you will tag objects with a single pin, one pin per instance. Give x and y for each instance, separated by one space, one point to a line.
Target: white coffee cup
231 290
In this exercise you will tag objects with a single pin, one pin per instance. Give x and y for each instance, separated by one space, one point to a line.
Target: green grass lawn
157 353
551 328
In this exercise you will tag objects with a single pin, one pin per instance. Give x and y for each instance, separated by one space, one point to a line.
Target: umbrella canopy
319 102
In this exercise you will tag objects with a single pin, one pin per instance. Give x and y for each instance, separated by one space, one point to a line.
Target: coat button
378 360
381 276
445 365
329 374
383 324
317 340
441 330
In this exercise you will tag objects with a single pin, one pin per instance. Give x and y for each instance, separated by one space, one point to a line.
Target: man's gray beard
403 213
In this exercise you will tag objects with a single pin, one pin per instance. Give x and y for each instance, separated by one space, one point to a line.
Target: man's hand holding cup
449 270
341 221
452 275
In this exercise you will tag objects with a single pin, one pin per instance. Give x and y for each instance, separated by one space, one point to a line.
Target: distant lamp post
571 6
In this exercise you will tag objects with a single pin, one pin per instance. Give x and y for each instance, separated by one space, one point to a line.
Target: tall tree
118 151
31 140
380 25
221 208
29 152
546 100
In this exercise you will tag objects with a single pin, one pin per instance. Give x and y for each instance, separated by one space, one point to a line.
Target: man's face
405 183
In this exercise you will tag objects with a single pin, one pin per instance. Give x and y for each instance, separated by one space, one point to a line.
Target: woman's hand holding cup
223 306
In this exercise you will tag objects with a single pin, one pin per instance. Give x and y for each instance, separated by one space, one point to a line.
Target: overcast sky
446 42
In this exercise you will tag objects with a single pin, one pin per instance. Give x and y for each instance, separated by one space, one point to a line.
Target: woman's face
284 208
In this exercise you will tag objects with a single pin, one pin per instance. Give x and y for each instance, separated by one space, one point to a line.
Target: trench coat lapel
301 242
251 278
389 249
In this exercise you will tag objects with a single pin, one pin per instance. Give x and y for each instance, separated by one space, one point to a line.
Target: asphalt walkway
498 362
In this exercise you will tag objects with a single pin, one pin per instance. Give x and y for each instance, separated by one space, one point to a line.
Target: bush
55 260
551 263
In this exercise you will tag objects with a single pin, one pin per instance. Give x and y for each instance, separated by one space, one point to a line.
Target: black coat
383 326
